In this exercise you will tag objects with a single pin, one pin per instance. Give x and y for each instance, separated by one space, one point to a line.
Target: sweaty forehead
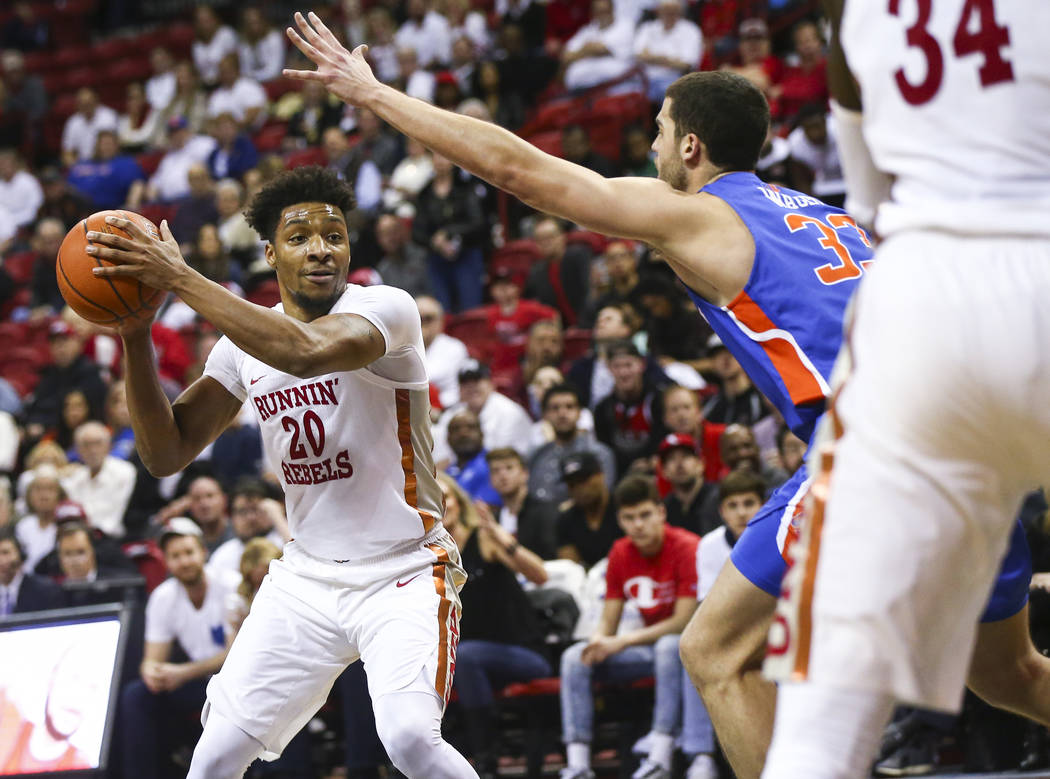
308 212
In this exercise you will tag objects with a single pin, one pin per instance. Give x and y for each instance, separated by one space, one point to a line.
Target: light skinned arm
180 673
679 224
603 641
335 342
497 543
154 655
683 611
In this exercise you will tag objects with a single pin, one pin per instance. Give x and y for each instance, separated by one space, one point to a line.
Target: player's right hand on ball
345 74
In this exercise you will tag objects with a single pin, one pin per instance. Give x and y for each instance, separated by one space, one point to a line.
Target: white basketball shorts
398 613
945 425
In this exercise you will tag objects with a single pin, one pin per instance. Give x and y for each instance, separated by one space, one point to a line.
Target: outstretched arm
645 209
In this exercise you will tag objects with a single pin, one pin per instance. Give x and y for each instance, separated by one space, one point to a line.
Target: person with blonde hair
255 562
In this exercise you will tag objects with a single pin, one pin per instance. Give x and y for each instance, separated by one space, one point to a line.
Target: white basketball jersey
352 449
956 100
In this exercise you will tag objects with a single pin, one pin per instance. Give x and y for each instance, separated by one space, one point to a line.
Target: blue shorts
758 554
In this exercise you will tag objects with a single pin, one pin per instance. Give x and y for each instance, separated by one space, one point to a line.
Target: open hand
345 74
158 263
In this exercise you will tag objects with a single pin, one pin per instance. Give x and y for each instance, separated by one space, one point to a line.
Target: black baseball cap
473 370
580 465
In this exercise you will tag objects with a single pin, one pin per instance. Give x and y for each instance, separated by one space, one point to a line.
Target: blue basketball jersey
785 326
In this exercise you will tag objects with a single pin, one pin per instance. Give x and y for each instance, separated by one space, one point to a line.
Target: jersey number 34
977 32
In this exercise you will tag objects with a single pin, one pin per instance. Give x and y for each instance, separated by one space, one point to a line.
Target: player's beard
317 307
672 171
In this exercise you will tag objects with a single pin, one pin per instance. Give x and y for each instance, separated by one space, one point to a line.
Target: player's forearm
270 336
202 668
648 635
156 433
483 148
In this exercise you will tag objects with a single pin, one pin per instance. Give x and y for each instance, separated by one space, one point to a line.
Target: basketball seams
81 295
109 281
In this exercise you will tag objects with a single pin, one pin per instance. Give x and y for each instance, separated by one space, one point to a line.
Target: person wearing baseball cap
587 529
509 317
692 502
190 608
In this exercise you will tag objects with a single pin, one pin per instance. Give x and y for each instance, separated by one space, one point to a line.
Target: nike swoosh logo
252 382
402 584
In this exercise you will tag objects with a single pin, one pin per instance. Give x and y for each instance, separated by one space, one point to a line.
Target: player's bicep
202 412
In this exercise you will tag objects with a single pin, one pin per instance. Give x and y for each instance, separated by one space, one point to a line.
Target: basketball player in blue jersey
771 269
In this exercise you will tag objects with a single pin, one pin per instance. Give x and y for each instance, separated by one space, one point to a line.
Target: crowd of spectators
587 424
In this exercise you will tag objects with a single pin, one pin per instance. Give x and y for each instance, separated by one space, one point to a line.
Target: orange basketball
101 300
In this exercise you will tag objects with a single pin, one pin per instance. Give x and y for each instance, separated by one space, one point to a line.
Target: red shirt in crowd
654 583
512 329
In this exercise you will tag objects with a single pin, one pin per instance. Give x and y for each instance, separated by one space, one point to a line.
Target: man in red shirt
509 319
653 567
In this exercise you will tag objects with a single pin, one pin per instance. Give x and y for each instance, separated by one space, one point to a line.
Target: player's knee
410 739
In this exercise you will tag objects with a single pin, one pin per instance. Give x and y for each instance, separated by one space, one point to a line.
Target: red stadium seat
150 562
516 256
549 141
116 48
266 294
157 212
280 86
594 241
20 267
150 161
577 343
126 70
38 61
83 77
270 136
64 106
71 57
472 328
553 116
179 37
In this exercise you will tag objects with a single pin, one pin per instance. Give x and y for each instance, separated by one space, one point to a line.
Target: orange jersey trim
408 455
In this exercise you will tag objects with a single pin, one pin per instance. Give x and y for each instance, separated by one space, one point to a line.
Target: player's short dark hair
67 529
8 534
633 490
741 483
308 184
559 389
726 112
504 453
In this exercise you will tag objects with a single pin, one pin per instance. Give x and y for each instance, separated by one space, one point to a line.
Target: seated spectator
503 421
756 61
26 29
118 418
102 484
108 176
737 400
447 92
621 264
319 112
189 608
414 80
527 16
20 193
451 224
375 142
684 415
408 179
80 560
195 209
22 592
692 502
426 31
81 129
445 356
500 637
69 368
576 147
237 237
190 102
45 297
61 201
815 165
253 515
630 420
252 565
138 126
544 348
740 496
562 410
599 51
509 318
527 70
740 453
792 450
668 46
25 92
805 78
242 97
171 180
505 108
235 153
774 164
655 568
44 454
469 467
76 410
36 530
587 527
467 22
260 48
591 372
160 87
561 277
207 506
214 40
637 156
530 520
402 264
382 50
365 175
464 65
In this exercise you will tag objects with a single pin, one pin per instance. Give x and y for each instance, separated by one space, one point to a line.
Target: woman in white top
260 48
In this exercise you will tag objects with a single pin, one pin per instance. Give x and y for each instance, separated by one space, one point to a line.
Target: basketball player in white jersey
336 375
944 422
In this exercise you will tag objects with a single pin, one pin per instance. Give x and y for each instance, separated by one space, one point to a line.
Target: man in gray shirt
403 264
561 409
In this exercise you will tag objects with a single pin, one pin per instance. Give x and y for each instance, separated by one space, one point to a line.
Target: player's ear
693 149
271 256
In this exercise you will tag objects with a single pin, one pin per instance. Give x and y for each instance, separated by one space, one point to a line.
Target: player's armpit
338 342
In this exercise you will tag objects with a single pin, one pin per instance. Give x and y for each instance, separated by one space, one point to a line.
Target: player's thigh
727 634
282 663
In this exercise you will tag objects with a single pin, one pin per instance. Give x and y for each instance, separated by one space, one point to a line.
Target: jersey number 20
987 40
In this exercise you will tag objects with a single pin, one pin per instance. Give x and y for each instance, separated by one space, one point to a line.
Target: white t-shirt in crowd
264 59
683 42
431 39
618 38
171 615
445 357
207 56
822 160
228 556
172 178
80 133
105 495
160 90
245 94
503 423
36 541
712 555
20 198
